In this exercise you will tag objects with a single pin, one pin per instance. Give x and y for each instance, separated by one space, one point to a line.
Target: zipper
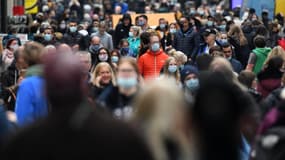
155 66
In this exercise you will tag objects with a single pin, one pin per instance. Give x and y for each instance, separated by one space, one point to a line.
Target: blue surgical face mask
172 31
162 26
141 23
192 84
222 27
155 47
95 29
95 47
181 66
224 41
210 23
172 68
47 37
201 13
115 59
131 34
125 50
127 82
73 29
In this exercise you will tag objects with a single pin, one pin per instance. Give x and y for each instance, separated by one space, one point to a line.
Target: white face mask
103 57
14 47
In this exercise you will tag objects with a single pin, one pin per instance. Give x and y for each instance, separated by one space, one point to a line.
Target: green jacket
261 55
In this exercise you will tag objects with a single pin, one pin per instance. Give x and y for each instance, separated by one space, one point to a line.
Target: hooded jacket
261 55
31 103
121 30
151 63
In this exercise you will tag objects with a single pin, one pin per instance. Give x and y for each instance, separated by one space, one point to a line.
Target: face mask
229 58
103 57
181 66
115 59
141 23
192 84
48 37
155 47
62 26
172 69
127 82
95 29
125 50
172 31
210 23
222 27
224 41
192 11
201 13
73 29
95 47
131 34
14 47
162 26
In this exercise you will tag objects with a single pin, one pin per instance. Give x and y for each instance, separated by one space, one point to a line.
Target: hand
98 80
20 79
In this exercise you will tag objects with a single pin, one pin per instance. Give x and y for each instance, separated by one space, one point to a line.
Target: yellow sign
152 18
279 6
31 6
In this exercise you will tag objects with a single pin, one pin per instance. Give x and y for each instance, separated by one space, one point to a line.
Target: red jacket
151 63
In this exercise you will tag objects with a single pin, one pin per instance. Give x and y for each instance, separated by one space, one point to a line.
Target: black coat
112 99
187 42
9 78
241 51
76 38
121 32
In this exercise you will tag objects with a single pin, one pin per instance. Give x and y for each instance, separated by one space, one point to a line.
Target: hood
36 70
263 51
270 84
127 16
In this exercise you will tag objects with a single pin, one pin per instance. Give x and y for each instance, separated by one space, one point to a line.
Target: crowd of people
209 85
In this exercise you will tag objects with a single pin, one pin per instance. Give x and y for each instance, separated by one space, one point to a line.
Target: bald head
64 48
64 80
95 40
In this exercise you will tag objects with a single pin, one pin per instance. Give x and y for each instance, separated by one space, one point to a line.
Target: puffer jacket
151 63
187 42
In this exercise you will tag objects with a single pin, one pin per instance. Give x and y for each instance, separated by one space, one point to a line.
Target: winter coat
31 103
187 42
268 81
151 63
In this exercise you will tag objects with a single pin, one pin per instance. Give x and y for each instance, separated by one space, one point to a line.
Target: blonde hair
180 56
137 29
160 117
238 33
276 51
167 74
96 71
